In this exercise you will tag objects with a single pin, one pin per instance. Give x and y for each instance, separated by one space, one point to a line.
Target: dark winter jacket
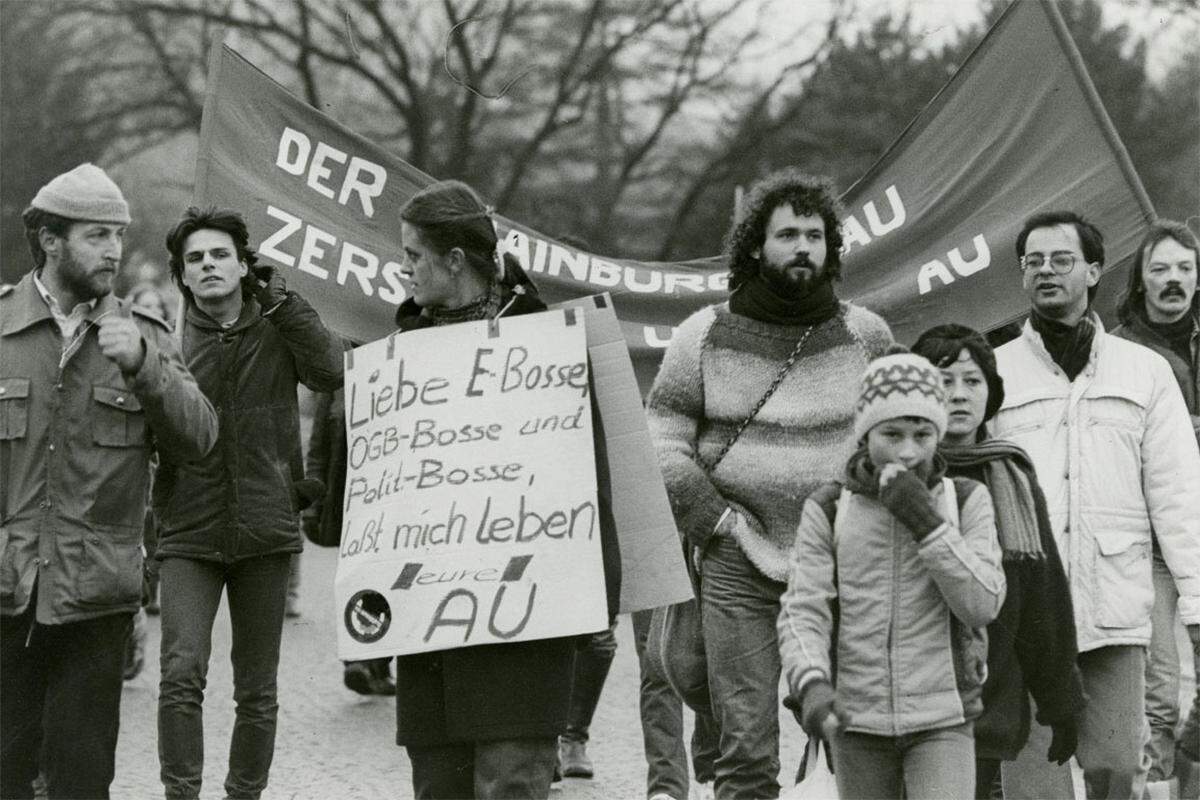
1031 644
326 462
240 500
1186 374
494 691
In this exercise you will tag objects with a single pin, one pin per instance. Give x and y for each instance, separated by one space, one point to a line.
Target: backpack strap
953 501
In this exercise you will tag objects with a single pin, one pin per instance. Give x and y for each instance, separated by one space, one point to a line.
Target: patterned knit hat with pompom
900 384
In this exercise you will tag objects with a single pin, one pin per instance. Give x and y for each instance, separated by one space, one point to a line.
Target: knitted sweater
716 370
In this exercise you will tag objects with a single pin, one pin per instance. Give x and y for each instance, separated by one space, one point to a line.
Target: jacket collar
28 308
248 316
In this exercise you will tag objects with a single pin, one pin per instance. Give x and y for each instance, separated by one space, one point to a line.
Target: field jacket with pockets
1116 456
76 436
240 501
905 620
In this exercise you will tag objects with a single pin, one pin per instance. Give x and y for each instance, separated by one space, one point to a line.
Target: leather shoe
574 758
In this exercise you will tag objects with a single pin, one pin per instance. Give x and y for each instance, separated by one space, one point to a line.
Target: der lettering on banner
470 512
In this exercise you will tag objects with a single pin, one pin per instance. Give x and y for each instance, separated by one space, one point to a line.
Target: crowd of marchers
968 552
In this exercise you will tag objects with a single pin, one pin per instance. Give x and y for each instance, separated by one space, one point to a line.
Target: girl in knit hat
1031 644
893 577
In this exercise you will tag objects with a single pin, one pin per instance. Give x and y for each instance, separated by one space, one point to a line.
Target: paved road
332 743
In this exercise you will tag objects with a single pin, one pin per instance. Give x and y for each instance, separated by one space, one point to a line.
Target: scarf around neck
483 307
1069 346
1016 496
757 300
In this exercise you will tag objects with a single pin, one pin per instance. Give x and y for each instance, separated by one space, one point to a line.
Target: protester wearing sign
90 388
1104 422
1031 644
893 577
229 521
765 384
478 721
1160 311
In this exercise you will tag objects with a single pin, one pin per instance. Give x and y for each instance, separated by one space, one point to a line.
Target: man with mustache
1161 310
1108 431
752 409
90 387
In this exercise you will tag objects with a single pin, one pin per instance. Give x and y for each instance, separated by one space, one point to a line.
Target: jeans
506 768
60 702
1114 731
191 594
592 662
929 765
739 607
1162 675
662 727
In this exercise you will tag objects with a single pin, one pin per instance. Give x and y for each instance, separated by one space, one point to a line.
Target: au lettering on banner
470 506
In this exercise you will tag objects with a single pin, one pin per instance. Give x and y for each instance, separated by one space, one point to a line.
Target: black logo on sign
368 616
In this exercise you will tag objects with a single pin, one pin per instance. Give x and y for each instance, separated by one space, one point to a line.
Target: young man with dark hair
1104 422
90 388
752 409
229 522
1161 310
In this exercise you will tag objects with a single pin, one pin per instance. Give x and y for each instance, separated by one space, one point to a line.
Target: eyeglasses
1061 262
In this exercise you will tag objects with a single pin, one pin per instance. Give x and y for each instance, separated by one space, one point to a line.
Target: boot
381 677
574 759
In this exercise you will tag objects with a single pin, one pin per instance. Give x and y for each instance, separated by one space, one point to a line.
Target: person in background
1031 644
1106 427
893 578
1161 310
229 523
90 388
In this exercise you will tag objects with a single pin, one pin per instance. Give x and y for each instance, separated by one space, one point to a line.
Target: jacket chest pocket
14 408
118 421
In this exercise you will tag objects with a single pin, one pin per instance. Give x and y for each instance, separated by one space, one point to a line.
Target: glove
272 290
911 502
1064 741
820 715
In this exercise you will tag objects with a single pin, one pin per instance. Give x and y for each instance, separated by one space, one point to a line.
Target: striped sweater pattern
716 370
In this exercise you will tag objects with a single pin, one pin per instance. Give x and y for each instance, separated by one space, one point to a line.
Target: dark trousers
592 662
662 727
60 697
497 770
191 594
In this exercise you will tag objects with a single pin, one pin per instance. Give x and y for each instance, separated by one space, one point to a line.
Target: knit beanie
85 193
900 385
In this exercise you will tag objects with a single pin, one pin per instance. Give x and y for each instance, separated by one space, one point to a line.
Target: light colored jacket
1116 457
909 621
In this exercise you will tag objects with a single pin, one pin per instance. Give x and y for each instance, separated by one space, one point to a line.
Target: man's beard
786 281
79 282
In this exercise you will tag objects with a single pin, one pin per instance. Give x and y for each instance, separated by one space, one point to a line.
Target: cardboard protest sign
470 513
930 228
652 570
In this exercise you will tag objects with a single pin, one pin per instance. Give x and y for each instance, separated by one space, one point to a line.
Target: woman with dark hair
480 721
1031 644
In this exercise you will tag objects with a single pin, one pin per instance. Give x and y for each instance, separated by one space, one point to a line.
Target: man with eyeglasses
1108 431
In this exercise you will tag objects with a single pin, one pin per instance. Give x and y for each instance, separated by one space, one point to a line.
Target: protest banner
652 569
930 228
470 513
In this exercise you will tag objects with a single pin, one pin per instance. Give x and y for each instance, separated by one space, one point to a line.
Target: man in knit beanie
89 388
738 464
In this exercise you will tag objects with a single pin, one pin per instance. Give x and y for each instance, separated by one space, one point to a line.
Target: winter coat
239 502
1186 375
1031 644
494 691
75 447
1116 458
910 645
326 462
